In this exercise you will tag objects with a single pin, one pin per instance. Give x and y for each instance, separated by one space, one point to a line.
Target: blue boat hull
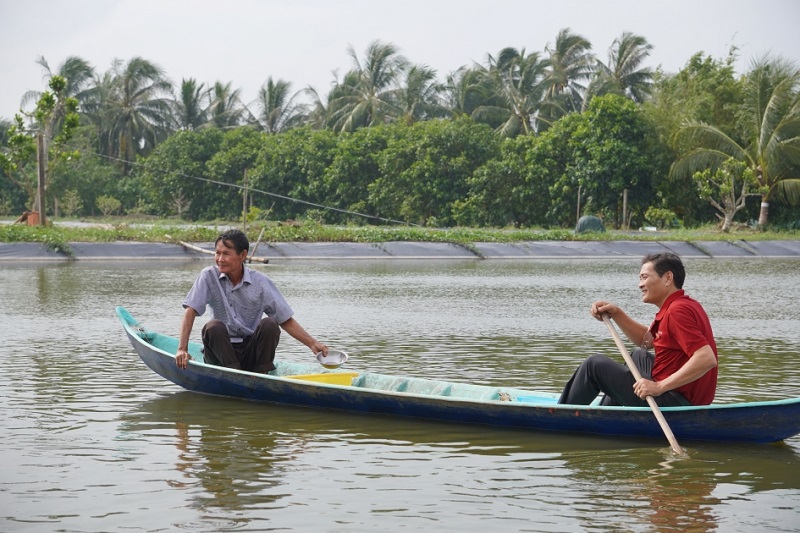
757 422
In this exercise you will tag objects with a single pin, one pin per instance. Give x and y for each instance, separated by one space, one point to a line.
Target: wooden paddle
637 376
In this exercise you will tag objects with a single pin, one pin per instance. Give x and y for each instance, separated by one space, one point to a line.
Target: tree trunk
763 216
726 222
41 156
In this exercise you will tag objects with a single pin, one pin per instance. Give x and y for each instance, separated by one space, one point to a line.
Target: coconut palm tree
520 84
624 73
191 107
769 141
317 114
368 93
227 110
79 75
571 64
278 110
95 108
138 108
5 124
466 90
419 95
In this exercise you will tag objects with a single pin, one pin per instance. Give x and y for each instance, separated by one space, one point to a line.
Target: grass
58 235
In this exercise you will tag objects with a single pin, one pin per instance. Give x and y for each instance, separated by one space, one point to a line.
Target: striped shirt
242 307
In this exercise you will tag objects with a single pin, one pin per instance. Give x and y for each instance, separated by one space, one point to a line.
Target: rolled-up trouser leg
259 354
217 347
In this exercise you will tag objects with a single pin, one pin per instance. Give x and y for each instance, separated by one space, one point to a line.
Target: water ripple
92 440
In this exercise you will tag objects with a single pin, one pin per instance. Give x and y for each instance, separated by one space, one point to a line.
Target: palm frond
788 190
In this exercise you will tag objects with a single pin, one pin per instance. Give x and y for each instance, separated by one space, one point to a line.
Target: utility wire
274 195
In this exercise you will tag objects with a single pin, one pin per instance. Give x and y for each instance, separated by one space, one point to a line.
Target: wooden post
41 156
244 203
578 213
625 209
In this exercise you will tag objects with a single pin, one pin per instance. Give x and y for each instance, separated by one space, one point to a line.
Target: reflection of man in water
239 336
682 504
628 487
235 466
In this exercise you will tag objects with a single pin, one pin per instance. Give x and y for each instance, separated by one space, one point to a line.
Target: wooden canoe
309 385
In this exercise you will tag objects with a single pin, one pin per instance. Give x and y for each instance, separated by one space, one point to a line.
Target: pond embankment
278 251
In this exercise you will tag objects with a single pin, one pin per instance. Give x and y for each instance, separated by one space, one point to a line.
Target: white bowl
334 359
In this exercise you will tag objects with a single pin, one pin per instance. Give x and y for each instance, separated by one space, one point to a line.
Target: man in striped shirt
239 336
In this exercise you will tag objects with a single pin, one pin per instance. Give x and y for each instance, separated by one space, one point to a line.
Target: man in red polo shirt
683 370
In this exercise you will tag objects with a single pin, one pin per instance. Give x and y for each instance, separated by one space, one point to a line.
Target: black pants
599 373
254 354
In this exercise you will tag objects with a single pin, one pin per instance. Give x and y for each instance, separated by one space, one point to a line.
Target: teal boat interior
371 381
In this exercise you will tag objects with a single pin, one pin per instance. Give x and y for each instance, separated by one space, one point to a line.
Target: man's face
227 260
655 288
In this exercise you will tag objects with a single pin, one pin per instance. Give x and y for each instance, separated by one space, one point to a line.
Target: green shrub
108 205
661 218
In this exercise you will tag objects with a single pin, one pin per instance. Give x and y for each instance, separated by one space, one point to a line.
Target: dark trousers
254 354
599 373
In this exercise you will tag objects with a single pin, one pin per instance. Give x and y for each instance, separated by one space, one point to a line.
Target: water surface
92 440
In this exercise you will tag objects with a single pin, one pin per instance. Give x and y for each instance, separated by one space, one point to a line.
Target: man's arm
293 328
637 333
182 355
698 364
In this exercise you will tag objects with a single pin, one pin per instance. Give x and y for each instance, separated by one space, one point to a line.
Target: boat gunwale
137 331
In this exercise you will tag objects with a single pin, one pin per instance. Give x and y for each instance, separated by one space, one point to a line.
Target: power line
274 195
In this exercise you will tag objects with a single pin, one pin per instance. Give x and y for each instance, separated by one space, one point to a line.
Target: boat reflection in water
239 456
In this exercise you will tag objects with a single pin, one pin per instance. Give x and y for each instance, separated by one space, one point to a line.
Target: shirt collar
245 277
671 298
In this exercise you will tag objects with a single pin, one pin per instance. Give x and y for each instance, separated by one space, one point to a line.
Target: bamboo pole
194 248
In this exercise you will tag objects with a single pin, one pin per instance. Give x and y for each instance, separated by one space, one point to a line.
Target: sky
306 42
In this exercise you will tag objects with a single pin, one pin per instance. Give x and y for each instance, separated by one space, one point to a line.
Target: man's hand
599 308
698 364
647 387
182 358
317 347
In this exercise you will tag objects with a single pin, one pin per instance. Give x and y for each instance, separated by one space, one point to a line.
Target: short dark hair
664 262
234 238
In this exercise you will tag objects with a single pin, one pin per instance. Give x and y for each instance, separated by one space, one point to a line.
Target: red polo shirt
681 327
